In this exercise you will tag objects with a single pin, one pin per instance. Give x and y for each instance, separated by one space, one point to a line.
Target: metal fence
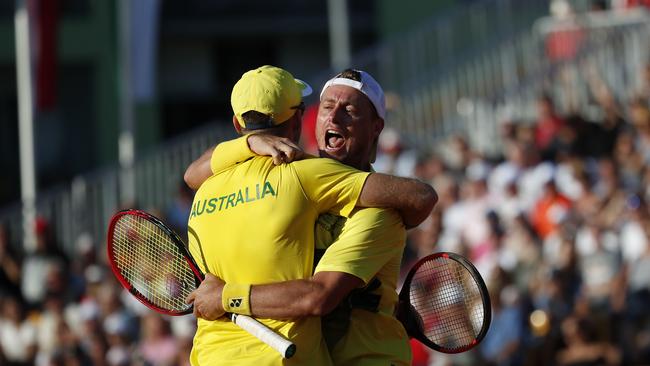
87 203
503 80
410 59
609 49
424 68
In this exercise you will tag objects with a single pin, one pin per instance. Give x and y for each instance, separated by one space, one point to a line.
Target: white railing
506 80
456 54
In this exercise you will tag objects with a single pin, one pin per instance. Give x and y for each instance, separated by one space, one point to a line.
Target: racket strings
449 303
151 262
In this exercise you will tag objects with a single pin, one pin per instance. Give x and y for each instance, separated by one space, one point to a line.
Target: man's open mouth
334 140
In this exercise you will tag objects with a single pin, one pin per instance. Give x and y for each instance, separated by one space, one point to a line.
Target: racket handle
285 347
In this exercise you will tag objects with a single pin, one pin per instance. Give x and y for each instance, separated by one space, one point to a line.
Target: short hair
257 118
350 74
355 75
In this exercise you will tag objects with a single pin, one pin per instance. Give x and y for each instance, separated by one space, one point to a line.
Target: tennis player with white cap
361 263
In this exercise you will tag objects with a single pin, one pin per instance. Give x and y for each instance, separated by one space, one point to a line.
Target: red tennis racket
444 303
154 265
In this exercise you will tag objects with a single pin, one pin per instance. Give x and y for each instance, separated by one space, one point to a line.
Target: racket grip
285 347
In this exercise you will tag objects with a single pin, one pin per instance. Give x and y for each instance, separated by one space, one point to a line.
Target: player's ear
377 127
236 124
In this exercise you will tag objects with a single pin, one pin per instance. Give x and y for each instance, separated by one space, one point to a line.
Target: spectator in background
520 251
564 44
638 112
472 206
424 239
9 266
551 297
613 199
95 347
430 168
630 163
582 348
506 331
507 172
69 351
116 318
17 334
632 235
157 346
48 324
612 126
548 125
637 300
38 264
458 155
640 119
613 123
392 155
634 3
644 89
601 275
178 212
568 172
183 329
551 209
523 169
119 346
478 206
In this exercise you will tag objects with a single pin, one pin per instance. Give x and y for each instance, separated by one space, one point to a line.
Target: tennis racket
154 265
444 303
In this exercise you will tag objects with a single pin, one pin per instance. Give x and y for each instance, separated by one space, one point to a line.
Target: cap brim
305 89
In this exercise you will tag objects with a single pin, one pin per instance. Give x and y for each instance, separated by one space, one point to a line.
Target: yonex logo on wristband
235 298
235 302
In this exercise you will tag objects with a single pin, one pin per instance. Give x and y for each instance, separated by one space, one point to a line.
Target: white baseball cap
368 86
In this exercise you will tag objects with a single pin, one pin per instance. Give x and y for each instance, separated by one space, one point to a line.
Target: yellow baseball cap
269 90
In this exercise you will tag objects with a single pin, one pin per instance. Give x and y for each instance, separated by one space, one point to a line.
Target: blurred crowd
558 225
68 309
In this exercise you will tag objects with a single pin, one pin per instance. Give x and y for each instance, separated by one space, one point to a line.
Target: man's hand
281 149
207 298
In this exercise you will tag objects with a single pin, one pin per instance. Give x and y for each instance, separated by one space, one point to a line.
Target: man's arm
293 299
316 296
412 198
199 171
280 149
368 240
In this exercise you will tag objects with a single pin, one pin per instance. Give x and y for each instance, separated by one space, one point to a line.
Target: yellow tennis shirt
255 223
369 243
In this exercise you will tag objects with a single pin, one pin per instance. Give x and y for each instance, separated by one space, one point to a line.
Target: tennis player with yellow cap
253 223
